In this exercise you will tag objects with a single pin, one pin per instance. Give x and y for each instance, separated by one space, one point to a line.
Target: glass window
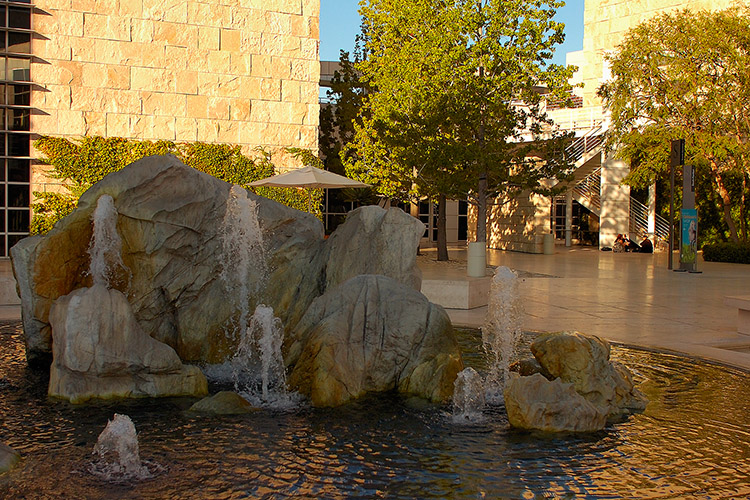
2 248
18 221
2 119
2 222
19 17
3 24
18 170
18 145
20 95
19 119
2 147
18 195
2 94
19 70
19 42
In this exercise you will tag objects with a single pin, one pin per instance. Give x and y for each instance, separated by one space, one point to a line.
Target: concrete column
614 216
569 218
652 210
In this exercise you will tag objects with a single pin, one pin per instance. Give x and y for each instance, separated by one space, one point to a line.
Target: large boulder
373 334
9 458
535 403
223 403
375 241
170 220
100 351
583 361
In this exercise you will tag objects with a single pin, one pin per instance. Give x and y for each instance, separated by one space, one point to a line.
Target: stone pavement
626 298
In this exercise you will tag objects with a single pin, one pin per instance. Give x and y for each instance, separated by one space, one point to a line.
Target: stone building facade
231 71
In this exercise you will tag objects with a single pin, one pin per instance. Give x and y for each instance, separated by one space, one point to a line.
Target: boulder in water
223 403
9 458
583 360
535 403
373 334
100 351
373 240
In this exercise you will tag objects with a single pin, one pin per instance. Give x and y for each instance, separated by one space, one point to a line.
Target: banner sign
689 239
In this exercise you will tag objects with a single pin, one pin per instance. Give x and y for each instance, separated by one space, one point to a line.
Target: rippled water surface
693 440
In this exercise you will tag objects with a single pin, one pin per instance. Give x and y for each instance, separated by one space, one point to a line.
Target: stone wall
605 23
518 225
232 71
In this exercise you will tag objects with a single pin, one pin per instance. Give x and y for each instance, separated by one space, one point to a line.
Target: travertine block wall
605 24
232 71
518 225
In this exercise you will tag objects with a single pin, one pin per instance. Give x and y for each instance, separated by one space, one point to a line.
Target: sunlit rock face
373 334
375 241
535 403
170 219
100 351
573 386
583 360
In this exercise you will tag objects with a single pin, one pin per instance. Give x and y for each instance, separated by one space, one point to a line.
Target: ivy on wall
81 163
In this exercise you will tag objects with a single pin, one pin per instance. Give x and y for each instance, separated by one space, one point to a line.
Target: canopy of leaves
81 163
685 75
455 85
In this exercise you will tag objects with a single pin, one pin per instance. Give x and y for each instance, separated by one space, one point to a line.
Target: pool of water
693 440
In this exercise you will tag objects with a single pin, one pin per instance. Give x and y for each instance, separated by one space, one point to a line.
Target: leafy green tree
685 75
456 109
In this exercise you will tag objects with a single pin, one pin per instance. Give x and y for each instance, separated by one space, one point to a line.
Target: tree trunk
442 239
482 209
726 202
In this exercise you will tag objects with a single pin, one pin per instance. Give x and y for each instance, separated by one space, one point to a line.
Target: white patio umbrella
310 177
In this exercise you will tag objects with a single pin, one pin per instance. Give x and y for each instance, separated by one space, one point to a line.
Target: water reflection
692 440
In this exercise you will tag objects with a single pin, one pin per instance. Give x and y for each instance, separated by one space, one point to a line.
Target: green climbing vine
81 163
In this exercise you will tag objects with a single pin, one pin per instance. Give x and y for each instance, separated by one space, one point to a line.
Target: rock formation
535 403
9 458
100 351
573 369
223 403
170 219
373 334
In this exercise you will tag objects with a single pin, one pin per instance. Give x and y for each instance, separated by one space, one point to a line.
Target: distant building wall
605 23
233 71
518 225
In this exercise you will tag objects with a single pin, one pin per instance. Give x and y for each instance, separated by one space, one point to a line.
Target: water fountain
117 450
501 330
259 350
105 249
468 397
243 259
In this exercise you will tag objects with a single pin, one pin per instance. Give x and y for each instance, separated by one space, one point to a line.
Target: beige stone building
597 206
231 71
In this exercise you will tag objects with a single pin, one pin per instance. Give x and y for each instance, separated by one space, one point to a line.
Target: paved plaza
629 298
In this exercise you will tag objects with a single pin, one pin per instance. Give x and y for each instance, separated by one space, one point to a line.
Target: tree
685 75
456 85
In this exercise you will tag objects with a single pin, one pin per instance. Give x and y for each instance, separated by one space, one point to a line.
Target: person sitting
620 244
647 246
631 246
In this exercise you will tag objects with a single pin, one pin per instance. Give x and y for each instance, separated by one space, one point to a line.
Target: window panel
19 119
19 42
3 24
18 170
19 70
2 222
19 17
20 95
18 195
18 145
18 221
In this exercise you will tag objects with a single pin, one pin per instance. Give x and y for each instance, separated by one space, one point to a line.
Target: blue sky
339 23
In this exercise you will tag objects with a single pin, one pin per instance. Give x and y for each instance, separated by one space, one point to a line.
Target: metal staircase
587 193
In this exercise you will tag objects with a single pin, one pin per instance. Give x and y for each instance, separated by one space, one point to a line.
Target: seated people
647 246
632 246
620 244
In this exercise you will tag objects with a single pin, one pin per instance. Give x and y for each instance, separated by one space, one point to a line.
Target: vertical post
676 158
569 218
